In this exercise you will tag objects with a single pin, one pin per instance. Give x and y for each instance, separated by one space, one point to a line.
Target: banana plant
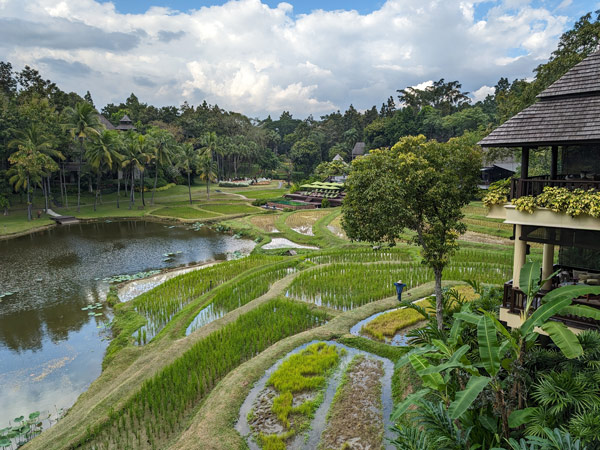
499 352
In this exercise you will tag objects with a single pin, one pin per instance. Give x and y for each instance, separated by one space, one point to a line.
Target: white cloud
481 93
251 58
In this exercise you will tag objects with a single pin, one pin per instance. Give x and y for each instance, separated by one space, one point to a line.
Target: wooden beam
524 162
554 163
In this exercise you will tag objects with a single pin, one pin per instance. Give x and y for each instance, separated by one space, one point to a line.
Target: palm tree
207 168
29 166
187 161
163 150
34 139
133 159
145 150
82 122
102 154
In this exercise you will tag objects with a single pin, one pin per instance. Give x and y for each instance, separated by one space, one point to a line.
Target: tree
187 161
305 155
29 166
103 154
163 150
82 123
34 140
417 185
207 168
135 158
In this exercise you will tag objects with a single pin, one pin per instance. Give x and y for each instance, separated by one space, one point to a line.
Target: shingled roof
359 149
125 124
104 121
568 112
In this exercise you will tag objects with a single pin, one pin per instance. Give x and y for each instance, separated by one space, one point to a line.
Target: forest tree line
50 140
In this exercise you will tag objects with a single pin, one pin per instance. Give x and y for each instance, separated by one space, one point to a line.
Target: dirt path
472 236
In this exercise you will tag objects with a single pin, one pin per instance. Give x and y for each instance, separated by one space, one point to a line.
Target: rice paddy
266 222
160 304
158 409
302 221
248 288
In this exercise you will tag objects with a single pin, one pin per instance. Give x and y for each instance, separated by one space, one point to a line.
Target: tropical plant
103 154
187 160
134 159
457 372
163 151
82 122
497 193
207 170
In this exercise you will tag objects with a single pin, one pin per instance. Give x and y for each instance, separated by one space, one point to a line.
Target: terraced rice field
302 221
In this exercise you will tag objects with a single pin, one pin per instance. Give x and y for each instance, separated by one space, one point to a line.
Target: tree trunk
118 189
97 189
79 173
65 184
60 180
155 181
131 197
438 298
49 192
45 194
189 188
142 187
207 189
28 202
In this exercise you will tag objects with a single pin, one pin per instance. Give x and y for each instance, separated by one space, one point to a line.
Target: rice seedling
232 296
160 304
348 286
266 222
362 255
160 408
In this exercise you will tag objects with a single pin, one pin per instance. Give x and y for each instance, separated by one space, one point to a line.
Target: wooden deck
65 220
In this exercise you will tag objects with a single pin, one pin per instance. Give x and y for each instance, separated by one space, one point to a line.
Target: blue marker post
399 288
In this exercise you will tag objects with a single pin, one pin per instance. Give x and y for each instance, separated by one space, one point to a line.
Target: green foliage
575 202
497 193
157 410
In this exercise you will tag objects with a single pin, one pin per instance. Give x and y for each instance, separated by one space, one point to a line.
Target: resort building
358 150
565 119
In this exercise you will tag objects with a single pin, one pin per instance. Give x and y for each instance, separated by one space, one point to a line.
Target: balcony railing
521 187
515 301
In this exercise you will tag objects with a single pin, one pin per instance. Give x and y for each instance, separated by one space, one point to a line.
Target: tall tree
134 159
207 170
102 154
187 159
417 185
82 122
163 150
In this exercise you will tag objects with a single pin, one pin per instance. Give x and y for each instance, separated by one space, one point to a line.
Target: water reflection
51 349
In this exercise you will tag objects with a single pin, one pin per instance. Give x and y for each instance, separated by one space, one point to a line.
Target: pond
50 348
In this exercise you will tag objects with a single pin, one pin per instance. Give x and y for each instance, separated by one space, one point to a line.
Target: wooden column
519 255
554 163
524 162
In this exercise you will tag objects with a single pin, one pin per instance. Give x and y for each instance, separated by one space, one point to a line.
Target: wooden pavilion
566 119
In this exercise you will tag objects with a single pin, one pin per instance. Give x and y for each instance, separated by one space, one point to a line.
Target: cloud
62 34
249 57
481 93
68 68
168 36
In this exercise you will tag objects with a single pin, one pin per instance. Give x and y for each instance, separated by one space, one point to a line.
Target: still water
51 349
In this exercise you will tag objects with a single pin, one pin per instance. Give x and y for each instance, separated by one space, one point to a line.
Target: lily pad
19 419
34 415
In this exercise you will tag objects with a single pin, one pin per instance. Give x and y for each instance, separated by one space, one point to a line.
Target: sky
263 57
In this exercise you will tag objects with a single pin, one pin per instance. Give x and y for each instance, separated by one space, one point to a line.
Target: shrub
325 203
233 184
497 193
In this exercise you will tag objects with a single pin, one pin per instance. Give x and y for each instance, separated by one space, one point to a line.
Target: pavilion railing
515 300
521 187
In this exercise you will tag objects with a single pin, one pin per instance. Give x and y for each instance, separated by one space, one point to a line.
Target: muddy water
51 349
310 440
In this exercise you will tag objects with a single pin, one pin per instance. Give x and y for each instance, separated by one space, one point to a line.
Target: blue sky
300 7
575 8
262 58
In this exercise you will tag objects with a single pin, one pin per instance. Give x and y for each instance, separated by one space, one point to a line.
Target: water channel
51 349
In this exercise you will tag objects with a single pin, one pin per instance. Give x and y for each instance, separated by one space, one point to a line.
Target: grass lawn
183 212
261 194
16 222
223 208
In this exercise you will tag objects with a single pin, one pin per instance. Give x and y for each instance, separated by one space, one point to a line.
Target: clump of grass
387 325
